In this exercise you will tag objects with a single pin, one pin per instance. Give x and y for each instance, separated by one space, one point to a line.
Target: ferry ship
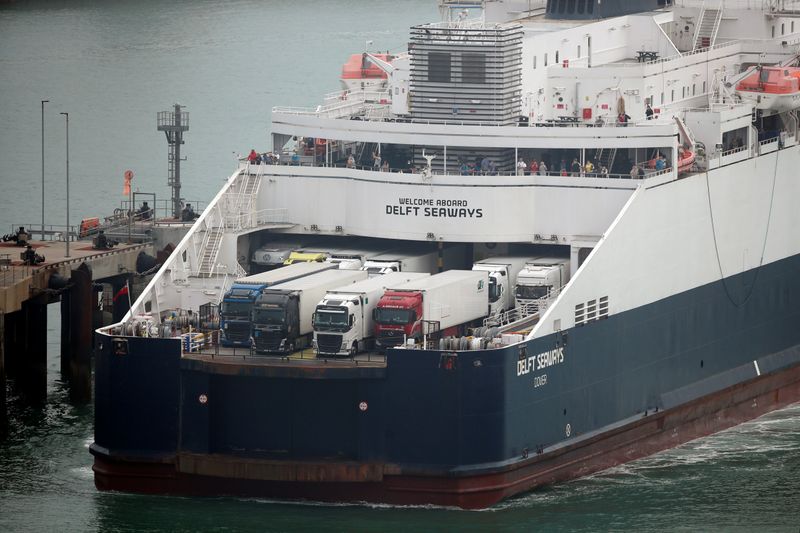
664 136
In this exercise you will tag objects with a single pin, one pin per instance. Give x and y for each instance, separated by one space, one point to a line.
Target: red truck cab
397 317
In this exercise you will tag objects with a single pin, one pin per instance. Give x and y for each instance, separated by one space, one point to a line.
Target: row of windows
535 61
685 93
569 6
783 28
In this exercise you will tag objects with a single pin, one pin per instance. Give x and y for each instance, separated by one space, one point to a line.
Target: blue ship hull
466 428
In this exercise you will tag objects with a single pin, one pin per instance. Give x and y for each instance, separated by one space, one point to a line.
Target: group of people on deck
575 168
267 158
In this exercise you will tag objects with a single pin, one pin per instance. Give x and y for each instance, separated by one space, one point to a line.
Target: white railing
337 106
522 311
254 219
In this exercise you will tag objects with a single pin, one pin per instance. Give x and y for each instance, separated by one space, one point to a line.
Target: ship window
683 92
704 87
792 30
591 310
439 67
556 57
603 309
570 6
545 59
662 99
672 96
773 31
694 89
581 6
534 62
473 68
590 6
579 50
561 4
580 314
783 27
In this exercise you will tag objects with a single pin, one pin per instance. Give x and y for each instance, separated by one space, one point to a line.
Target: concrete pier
25 292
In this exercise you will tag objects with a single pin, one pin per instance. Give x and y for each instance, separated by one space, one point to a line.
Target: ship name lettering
525 366
540 381
550 358
429 208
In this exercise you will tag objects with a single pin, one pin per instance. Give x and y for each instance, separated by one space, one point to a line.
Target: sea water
112 65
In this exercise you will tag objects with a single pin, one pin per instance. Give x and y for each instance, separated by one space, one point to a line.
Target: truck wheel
354 349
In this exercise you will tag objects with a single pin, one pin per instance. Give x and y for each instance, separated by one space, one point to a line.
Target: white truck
503 272
414 259
447 303
343 323
542 278
282 314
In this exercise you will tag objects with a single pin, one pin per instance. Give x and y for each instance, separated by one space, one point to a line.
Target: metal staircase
212 241
707 27
604 157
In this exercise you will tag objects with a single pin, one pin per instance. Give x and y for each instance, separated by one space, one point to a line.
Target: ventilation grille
591 311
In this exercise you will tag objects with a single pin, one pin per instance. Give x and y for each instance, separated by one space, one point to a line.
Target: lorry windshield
330 319
494 294
271 315
236 309
386 315
533 292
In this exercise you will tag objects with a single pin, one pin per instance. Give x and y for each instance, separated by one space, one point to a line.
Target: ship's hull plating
418 431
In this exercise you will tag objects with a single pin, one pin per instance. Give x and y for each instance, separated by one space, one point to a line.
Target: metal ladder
210 251
604 157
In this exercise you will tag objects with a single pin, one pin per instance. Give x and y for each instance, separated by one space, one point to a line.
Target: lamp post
43 102
66 116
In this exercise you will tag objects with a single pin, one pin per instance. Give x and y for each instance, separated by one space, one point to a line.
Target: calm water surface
112 65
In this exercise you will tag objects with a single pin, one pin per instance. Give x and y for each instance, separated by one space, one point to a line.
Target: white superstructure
645 205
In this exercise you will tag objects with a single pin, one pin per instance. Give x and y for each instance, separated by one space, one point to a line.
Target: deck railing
646 173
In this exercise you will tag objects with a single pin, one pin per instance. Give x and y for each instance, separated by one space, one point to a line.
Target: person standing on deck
521 166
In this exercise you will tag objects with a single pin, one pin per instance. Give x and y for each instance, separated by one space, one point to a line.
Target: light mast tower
173 124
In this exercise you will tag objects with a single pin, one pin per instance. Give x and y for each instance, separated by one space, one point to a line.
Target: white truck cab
541 278
503 272
343 322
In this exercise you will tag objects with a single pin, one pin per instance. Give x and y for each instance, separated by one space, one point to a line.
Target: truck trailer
416 258
282 314
343 322
237 303
445 303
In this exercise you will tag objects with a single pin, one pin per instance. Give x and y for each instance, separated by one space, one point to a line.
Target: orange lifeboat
776 88
360 73
685 161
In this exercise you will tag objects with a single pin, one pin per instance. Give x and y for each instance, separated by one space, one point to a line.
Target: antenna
173 124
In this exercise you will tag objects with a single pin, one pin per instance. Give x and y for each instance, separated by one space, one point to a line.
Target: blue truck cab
237 304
